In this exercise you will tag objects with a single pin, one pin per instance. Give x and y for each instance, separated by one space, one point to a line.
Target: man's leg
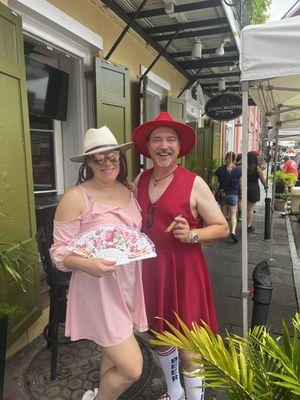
169 362
191 383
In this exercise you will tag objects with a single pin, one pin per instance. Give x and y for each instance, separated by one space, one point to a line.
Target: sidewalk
27 375
224 262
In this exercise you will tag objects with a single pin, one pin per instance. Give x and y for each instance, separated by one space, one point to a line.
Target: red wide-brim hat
185 132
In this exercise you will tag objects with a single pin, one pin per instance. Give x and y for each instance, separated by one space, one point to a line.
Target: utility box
295 200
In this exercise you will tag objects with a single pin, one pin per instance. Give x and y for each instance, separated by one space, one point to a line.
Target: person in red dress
177 280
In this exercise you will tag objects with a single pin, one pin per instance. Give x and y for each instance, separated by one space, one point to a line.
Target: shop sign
224 107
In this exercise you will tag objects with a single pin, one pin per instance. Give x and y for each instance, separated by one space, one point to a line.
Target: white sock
169 362
193 392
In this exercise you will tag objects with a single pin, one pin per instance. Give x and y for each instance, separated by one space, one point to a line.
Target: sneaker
90 394
250 229
234 238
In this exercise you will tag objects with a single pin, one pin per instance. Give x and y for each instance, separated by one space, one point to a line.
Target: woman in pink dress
105 302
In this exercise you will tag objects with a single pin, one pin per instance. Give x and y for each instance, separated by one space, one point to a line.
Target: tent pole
245 293
277 113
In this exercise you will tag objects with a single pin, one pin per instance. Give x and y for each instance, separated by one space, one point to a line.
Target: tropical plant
283 180
258 11
256 367
210 167
281 196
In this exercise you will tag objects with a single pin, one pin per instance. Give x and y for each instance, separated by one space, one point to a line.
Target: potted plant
280 201
13 255
256 367
283 181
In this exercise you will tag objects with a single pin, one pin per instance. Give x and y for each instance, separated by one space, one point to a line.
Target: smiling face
163 146
105 166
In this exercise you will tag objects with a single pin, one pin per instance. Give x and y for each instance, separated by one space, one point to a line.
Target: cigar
172 225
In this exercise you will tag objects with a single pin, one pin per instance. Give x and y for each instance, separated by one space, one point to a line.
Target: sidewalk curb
295 259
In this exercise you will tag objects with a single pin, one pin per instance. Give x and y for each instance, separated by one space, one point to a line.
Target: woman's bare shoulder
71 205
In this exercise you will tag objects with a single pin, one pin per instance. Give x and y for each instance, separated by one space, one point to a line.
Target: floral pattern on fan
113 242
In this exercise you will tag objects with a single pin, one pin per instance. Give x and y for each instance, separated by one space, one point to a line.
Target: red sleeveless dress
177 279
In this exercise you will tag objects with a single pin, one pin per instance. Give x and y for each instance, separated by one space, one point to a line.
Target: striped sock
169 362
191 382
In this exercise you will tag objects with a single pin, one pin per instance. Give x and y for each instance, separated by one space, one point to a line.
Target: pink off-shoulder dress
105 310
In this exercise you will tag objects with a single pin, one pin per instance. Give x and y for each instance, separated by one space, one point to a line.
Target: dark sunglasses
99 159
149 219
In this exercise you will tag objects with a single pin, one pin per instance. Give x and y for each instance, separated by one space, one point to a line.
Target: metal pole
267 232
159 55
123 33
244 208
277 113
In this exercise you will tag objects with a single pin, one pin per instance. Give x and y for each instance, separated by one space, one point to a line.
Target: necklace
155 181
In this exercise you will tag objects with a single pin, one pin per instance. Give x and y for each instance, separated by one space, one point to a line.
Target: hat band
101 147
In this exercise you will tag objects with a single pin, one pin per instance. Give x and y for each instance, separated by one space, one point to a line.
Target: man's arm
204 204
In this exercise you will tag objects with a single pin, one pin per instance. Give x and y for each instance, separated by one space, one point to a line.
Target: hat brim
80 158
185 132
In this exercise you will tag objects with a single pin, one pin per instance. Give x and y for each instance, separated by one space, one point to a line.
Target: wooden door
16 193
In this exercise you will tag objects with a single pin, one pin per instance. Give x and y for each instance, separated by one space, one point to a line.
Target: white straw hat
98 141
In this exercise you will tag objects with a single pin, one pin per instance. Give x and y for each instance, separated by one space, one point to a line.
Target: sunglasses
149 219
99 158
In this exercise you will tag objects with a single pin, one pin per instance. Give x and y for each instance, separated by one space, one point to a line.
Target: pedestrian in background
254 174
229 181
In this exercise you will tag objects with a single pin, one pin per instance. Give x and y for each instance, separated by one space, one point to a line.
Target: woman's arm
261 177
66 227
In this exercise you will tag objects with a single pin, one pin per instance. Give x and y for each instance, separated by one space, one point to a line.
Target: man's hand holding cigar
180 229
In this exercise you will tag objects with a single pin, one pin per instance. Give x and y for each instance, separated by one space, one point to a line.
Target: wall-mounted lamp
220 51
197 48
221 85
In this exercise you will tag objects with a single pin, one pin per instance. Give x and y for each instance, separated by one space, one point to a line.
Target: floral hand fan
113 242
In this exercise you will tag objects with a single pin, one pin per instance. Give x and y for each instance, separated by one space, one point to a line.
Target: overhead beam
221 60
204 51
204 77
135 26
187 25
215 89
199 5
216 83
123 33
190 34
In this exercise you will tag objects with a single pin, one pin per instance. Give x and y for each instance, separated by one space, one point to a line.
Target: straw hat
185 132
99 141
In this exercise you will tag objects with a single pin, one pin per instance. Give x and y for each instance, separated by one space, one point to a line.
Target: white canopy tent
292 135
270 72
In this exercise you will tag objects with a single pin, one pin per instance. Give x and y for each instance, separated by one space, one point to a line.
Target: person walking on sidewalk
105 302
229 177
255 173
177 281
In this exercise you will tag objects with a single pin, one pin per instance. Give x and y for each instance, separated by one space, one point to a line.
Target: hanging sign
224 107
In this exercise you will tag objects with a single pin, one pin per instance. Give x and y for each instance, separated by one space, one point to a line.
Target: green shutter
177 108
113 101
16 194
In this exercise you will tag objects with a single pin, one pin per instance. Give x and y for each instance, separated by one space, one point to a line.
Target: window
43 154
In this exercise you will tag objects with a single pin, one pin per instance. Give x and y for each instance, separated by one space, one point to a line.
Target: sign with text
224 107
